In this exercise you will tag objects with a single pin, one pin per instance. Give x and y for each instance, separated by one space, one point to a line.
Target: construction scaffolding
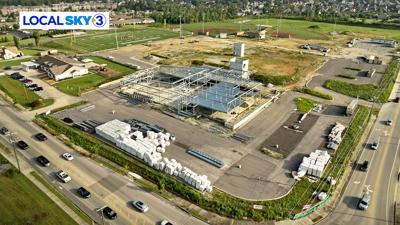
183 89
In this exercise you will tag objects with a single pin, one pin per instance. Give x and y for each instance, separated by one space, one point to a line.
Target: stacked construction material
335 137
112 130
314 164
148 147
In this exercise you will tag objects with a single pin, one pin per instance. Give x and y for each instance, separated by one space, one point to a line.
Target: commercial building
61 67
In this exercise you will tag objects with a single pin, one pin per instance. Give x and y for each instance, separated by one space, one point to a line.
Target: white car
68 156
165 222
63 176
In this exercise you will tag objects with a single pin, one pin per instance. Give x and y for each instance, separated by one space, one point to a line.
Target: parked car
67 156
26 81
22 145
63 176
397 99
38 89
83 192
389 122
22 78
375 146
109 213
41 137
364 201
68 120
43 161
16 76
141 206
4 131
364 166
165 222
7 68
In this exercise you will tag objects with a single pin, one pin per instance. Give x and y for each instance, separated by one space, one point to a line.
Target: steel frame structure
183 94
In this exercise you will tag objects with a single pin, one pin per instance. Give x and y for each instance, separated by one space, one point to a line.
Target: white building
238 49
10 52
61 68
240 64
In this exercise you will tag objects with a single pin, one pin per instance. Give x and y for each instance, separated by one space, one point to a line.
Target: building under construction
219 93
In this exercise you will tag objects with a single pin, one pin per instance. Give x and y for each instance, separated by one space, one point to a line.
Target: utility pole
180 26
115 31
13 140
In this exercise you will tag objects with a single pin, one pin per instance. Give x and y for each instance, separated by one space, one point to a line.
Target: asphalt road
107 187
381 177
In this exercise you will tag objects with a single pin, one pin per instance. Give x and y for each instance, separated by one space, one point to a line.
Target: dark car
32 85
16 76
26 81
397 99
43 161
4 131
38 89
68 120
22 145
109 213
41 137
364 166
7 68
83 192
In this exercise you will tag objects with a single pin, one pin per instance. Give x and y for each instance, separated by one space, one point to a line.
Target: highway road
107 187
381 177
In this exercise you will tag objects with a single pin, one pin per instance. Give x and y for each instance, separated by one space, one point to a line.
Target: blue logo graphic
99 20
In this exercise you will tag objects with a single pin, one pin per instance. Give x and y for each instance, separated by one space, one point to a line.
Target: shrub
315 93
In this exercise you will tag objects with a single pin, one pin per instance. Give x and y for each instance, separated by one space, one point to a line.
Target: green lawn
100 40
305 104
23 203
123 70
299 28
21 95
13 62
80 85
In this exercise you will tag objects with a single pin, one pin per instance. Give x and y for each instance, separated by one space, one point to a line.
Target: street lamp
13 139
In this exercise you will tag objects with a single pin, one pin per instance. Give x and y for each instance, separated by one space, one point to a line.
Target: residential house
10 52
61 67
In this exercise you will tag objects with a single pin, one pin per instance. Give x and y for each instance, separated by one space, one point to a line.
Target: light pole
13 140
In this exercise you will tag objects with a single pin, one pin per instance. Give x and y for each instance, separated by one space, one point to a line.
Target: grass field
299 28
21 95
121 69
305 104
96 41
23 203
80 85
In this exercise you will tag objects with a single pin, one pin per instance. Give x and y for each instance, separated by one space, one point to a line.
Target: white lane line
390 176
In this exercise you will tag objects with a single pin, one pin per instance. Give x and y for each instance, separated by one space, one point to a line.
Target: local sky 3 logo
98 20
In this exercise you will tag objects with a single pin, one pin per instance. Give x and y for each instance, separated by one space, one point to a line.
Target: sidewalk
26 169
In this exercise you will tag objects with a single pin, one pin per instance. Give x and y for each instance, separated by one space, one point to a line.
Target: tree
16 26
36 36
16 41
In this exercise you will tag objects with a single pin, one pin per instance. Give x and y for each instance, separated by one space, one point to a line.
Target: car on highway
22 145
109 213
364 166
83 192
67 156
4 131
40 137
141 206
389 122
375 146
364 201
166 222
63 176
43 161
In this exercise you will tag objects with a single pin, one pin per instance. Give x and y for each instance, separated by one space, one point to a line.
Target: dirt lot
264 58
